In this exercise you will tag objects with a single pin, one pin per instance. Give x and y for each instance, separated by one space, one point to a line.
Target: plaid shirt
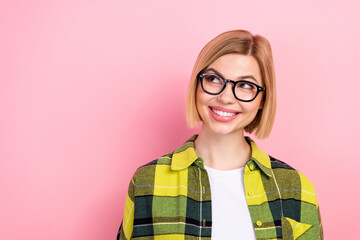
170 198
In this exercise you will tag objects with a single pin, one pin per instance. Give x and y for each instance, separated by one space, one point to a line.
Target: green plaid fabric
170 198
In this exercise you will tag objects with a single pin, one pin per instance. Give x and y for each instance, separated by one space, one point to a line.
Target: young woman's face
233 67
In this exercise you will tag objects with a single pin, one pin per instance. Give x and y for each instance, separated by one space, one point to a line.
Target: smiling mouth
223 114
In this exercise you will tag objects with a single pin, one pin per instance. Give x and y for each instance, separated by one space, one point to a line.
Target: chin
224 130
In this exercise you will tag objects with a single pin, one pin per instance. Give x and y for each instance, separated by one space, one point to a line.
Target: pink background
90 90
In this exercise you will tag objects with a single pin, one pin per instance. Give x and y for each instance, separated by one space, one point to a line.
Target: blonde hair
242 42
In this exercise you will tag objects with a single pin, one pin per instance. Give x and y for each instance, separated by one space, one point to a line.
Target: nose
227 95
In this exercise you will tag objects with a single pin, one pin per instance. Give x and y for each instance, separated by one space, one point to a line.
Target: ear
261 106
262 103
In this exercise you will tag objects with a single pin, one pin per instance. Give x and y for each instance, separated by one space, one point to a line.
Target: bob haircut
242 42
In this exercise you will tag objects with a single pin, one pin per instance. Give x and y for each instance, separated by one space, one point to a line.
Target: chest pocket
292 229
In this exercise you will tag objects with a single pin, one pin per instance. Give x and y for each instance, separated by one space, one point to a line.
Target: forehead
235 65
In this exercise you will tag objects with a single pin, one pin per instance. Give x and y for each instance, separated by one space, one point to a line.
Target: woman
220 184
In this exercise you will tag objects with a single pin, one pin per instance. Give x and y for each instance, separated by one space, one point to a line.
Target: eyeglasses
244 91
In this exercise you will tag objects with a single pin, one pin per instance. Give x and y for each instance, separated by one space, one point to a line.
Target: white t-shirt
230 214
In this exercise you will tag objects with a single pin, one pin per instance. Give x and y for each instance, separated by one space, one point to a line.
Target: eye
246 86
213 79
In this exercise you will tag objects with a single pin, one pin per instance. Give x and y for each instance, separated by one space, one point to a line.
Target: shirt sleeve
126 226
310 211
320 228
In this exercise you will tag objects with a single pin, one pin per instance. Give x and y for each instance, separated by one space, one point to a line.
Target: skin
222 144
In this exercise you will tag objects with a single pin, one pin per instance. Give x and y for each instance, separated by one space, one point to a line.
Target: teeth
223 114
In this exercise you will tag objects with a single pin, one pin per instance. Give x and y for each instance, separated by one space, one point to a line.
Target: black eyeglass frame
202 75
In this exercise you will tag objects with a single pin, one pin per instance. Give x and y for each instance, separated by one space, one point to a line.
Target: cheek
253 108
199 97
201 100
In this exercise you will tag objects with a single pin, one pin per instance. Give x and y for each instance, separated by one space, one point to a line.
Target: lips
223 114
222 109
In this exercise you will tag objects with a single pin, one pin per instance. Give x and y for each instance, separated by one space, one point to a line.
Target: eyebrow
241 77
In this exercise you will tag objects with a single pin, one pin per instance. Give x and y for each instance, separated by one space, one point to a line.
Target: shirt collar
185 155
260 157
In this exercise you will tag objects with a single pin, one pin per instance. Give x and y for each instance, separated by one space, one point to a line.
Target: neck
222 151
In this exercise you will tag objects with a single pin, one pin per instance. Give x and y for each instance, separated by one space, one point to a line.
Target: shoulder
291 179
146 172
276 163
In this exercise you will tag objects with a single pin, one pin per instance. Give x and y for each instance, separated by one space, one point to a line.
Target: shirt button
251 167
250 193
259 223
204 222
